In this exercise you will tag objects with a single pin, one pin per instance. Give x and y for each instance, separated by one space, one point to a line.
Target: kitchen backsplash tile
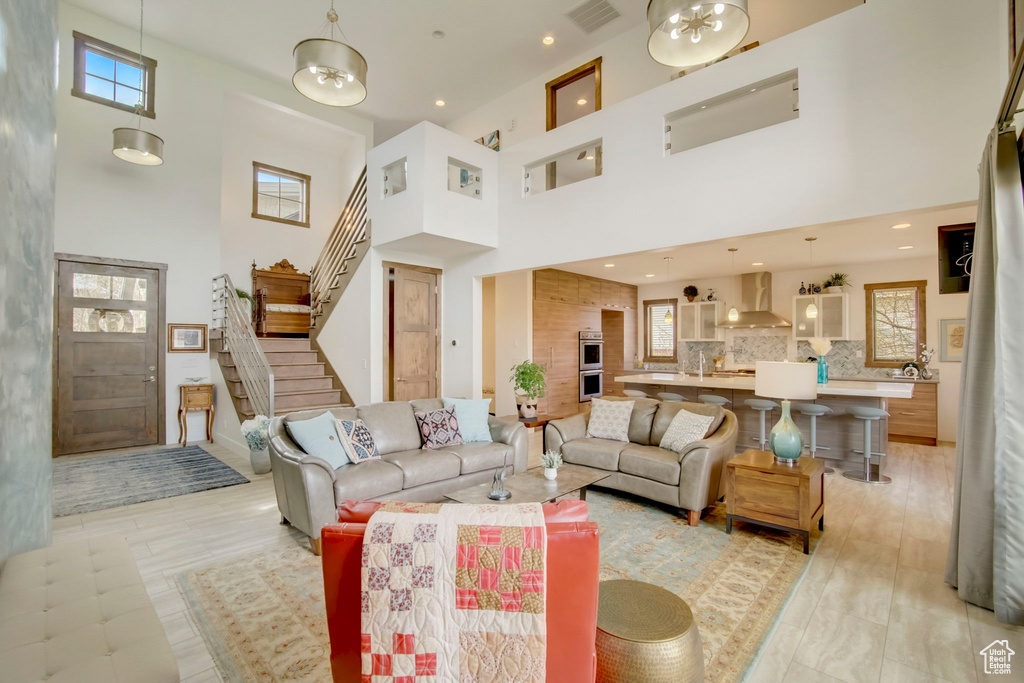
750 349
843 360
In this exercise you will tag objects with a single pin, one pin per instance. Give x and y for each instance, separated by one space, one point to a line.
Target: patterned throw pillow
439 428
610 419
685 428
357 441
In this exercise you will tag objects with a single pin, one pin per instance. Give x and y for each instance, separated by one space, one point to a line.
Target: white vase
550 473
260 461
834 290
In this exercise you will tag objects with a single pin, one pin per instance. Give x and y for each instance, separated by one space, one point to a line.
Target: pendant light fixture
733 314
329 71
668 313
811 312
135 145
692 32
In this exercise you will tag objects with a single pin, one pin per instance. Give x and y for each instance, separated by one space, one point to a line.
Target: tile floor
873 606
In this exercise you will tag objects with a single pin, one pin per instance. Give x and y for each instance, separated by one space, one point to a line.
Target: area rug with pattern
84 483
262 615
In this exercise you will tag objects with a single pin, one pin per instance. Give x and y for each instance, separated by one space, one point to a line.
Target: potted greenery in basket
690 292
551 462
835 283
255 433
528 380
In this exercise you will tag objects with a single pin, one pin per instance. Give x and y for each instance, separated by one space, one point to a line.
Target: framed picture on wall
491 141
183 338
951 339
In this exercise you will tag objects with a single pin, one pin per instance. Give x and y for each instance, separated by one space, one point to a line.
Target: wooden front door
414 332
108 369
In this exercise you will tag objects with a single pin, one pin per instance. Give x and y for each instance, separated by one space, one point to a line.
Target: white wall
513 313
171 213
344 339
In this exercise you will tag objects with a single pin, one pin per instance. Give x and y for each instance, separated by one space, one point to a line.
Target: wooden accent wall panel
612 325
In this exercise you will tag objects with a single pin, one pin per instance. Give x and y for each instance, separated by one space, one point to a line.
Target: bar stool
762 406
869 415
814 411
634 393
713 400
669 396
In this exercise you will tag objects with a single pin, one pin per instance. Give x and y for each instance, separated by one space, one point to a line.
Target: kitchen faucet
702 365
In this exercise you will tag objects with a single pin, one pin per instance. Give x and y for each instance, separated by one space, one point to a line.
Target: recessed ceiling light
900 226
757 263
590 157
753 90
439 103
548 40
649 275
581 101
909 246
609 265
438 34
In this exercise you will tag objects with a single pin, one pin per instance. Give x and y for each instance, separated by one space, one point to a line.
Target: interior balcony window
895 322
564 168
464 179
114 76
574 95
280 195
394 178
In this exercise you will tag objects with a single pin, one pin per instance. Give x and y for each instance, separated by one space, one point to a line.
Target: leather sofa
309 490
572 590
691 480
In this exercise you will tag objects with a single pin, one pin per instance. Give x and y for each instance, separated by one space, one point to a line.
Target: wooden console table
194 398
784 497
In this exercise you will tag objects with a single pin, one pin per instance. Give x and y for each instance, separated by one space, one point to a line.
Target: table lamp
786 381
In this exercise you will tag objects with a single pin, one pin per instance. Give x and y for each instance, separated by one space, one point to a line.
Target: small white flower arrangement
820 346
551 461
256 434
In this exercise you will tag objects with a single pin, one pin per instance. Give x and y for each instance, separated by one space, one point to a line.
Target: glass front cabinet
821 315
698 321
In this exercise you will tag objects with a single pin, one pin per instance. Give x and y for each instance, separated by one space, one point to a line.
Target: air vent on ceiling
593 14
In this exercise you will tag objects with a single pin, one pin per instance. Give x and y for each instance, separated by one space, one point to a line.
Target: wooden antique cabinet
195 398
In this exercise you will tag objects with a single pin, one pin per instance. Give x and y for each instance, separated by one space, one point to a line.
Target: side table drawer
772 497
196 400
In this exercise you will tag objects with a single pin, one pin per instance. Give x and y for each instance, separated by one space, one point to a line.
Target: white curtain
986 548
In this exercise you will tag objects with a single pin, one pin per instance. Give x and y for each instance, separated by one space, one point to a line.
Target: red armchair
571 599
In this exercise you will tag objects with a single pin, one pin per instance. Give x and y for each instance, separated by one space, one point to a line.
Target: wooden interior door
108 348
414 333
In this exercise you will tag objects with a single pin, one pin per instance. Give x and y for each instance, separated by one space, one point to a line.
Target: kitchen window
895 322
660 331
280 195
111 75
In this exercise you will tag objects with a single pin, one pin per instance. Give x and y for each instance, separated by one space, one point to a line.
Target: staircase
283 375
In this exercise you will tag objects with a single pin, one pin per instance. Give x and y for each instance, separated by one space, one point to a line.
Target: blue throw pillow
472 415
319 437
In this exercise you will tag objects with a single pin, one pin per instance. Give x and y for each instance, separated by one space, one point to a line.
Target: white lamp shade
317 57
786 380
681 50
136 146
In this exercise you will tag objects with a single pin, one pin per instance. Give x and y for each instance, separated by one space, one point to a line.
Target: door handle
151 379
399 379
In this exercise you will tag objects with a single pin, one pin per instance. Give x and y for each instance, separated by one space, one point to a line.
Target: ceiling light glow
581 101
757 263
901 226
908 246
649 275
439 103
609 265
548 40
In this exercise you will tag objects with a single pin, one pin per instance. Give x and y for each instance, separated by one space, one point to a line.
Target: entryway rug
262 615
84 483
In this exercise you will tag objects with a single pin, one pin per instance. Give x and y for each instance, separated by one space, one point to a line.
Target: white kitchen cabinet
831 319
698 321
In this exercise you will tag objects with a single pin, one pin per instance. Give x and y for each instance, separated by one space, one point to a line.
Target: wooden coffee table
531 486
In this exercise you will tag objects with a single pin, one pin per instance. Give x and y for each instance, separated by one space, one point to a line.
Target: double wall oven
591 365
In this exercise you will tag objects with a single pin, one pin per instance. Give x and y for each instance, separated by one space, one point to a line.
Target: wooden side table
194 398
534 422
784 497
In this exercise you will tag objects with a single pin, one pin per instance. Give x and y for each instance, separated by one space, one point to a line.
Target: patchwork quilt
454 593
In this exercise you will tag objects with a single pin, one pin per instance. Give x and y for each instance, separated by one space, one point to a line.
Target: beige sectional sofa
691 480
309 490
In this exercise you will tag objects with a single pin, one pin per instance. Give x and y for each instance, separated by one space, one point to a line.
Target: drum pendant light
135 145
329 71
692 32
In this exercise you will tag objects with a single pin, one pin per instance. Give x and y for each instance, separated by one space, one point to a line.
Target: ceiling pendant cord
668 268
734 313
134 144
811 312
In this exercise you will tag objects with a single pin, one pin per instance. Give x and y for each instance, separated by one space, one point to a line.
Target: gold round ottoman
646 634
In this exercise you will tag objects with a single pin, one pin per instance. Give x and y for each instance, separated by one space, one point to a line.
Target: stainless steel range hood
755 304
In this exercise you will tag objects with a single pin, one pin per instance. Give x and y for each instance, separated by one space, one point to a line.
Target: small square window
114 76
280 195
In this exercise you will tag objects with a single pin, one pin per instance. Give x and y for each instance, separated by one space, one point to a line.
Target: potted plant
528 380
551 462
690 292
835 283
255 433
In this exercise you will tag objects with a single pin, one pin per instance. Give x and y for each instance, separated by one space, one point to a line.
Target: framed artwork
951 339
491 141
182 338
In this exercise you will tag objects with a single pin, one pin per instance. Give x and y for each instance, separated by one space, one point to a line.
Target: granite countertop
864 388
898 380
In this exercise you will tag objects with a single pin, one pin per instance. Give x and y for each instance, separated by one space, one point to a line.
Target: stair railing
232 317
350 229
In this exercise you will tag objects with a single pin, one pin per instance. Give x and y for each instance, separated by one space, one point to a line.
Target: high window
895 322
573 95
280 195
114 76
660 331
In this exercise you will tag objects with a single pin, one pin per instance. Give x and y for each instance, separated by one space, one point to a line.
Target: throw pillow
318 436
685 428
610 419
439 428
472 415
357 441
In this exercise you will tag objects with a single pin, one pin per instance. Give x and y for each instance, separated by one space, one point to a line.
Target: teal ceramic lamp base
786 441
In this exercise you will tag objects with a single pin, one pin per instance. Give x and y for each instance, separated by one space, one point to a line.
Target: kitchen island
840 433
